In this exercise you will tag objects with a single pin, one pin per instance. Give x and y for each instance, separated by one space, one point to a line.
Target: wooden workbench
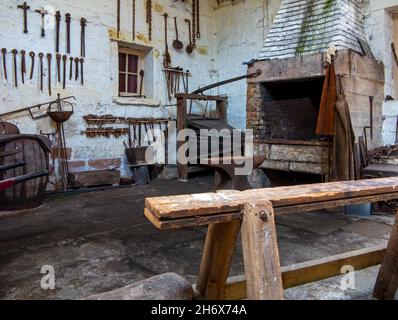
226 212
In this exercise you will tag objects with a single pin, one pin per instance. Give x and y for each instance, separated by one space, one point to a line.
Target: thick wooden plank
216 259
308 272
387 281
94 178
200 97
181 125
212 203
261 253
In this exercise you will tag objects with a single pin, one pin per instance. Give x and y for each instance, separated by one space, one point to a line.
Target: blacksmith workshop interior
198 150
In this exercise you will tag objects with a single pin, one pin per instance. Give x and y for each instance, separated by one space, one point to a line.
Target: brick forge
361 76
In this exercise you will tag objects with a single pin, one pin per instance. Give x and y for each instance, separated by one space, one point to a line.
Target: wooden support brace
181 125
216 260
387 281
261 253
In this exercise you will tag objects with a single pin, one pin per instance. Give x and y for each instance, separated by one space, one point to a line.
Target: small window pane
133 64
122 61
132 84
122 82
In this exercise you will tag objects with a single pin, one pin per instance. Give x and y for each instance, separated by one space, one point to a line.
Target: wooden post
181 125
216 259
387 281
222 109
261 253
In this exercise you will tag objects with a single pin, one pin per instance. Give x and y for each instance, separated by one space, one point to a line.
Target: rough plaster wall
241 31
100 65
379 27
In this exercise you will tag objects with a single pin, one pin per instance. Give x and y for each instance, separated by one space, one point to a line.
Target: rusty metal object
71 68
32 64
190 46
49 58
68 19
177 44
149 18
33 109
198 35
77 61
58 26
133 20
167 57
58 58
222 83
194 21
41 55
118 19
83 24
81 71
23 65
64 60
25 9
15 52
4 54
43 12
142 75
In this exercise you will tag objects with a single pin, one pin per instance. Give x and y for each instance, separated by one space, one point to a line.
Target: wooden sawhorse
253 212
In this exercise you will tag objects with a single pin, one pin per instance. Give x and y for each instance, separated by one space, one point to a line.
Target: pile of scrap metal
24 168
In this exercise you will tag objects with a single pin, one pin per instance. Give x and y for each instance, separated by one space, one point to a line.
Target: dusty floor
101 241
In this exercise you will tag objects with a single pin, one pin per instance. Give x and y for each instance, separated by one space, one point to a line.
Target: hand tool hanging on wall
42 13
68 19
198 35
118 19
194 7
77 69
64 60
23 65
149 18
41 55
82 71
71 68
167 58
58 26
4 53
133 21
142 75
49 58
15 52
25 9
83 23
190 46
58 57
177 44
32 63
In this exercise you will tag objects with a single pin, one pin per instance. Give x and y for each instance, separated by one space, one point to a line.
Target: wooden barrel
34 151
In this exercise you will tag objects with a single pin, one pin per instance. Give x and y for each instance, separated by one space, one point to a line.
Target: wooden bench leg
217 258
261 253
387 281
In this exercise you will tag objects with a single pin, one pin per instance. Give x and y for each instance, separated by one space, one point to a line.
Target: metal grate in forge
293 119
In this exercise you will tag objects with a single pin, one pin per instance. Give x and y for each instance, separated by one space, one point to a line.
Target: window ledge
131 101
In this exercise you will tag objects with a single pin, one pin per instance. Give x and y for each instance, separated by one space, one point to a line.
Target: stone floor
100 241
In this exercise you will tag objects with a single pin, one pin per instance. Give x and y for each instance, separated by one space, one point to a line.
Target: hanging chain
133 27
149 18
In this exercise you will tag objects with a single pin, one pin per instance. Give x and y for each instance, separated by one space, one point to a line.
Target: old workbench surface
226 205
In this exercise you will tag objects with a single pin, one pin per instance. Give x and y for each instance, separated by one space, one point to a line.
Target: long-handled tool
15 52
25 9
68 19
142 75
58 58
58 26
77 61
167 58
71 68
4 53
23 65
118 19
32 65
83 24
177 44
190 46
64 60
5 184
43 12
41 55
49 58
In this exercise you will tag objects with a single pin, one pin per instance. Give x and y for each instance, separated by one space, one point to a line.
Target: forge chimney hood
306 27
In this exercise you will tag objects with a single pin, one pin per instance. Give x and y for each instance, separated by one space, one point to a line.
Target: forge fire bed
227 212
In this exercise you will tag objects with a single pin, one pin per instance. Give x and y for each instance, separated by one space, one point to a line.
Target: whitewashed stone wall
379 27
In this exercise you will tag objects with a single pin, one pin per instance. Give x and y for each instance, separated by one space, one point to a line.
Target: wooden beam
222 110
216 259
308 272
387 281
200 97
261 253
181 125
